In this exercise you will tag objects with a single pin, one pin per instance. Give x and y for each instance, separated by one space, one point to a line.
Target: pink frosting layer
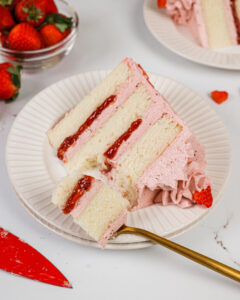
112 228
181 162
86 198
192 178
189 13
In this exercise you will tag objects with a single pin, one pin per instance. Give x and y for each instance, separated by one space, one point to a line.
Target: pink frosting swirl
180 10
196 180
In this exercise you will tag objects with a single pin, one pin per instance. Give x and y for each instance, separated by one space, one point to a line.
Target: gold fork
195 256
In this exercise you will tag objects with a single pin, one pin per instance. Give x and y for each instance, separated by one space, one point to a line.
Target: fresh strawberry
31 12
10 81
24 37
56 29
6 20
204 197
219 96
161 3
49 5
5 66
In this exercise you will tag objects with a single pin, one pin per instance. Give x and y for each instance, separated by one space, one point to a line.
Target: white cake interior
216 23
91 153
64 189
106 206
147 149
77 116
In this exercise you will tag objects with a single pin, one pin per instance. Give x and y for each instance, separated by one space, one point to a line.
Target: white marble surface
109 31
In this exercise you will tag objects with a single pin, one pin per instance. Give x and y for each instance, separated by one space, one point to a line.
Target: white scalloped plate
179 40
34 170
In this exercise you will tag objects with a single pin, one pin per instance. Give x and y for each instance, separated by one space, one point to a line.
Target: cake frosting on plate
128 131
214 24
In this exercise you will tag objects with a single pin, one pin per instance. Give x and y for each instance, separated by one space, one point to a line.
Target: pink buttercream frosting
192 179
112 228
181 11
180 167
189 13
86 198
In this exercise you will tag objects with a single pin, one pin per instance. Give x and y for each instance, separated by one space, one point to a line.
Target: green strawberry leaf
61 27
6 2
16 76
25 9
60 21
12 98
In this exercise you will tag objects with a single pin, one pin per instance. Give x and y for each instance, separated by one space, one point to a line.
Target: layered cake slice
145 152
96 207
127 130
214 24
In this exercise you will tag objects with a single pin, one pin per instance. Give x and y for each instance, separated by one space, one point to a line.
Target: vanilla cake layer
238 8
142 154
100 211
219 23
76 117
107 209
91 153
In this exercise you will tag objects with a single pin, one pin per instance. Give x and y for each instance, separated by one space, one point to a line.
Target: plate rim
182 54
118 245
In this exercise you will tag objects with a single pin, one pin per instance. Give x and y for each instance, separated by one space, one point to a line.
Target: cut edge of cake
96 207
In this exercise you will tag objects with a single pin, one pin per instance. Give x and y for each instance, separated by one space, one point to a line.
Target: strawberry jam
69 141
82 186
112 150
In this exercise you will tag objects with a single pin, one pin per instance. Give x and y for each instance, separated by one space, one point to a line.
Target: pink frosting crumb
112 228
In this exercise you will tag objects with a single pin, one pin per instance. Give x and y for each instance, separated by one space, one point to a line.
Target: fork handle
195 256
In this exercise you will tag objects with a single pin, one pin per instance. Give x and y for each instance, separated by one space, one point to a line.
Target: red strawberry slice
204 197
161 3
219 96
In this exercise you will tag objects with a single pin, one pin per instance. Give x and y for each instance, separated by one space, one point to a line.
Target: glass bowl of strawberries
36 33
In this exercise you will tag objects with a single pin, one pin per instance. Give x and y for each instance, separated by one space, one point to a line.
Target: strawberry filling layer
82 186
69 141
112 150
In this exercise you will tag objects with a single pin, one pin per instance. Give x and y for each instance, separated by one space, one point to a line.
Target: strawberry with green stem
10 81
30 11
55 28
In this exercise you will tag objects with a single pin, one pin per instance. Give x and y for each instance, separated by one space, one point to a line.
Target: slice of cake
214 24
128 131
97 208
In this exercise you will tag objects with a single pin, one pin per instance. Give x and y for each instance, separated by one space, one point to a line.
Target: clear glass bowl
47 57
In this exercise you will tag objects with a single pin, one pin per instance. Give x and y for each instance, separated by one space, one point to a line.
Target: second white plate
179 40
34 170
